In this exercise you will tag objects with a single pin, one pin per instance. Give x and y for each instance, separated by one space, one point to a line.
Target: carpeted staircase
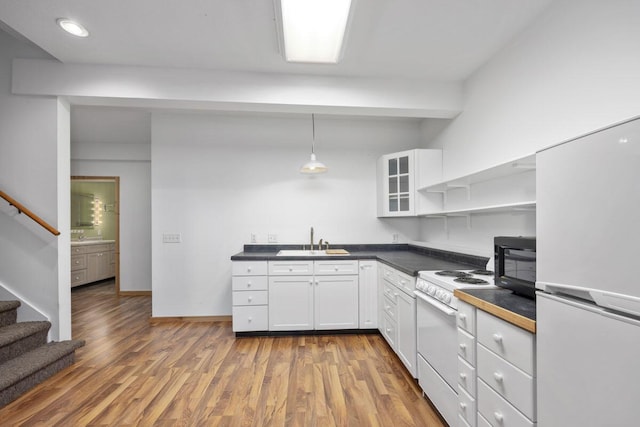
26 359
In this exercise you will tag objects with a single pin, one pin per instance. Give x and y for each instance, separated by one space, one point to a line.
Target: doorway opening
95 230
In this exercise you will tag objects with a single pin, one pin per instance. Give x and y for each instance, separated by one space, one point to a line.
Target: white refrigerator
588 280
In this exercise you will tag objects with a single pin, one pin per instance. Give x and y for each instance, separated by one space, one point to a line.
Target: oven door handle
436 304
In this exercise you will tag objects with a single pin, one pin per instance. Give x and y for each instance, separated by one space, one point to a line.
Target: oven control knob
447 298
439 294
431 290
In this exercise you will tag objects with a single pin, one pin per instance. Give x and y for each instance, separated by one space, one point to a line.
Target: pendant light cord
313 133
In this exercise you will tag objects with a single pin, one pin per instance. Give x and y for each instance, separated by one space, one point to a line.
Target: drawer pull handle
250 299
498 377
463 406
498 416
248 284
248 269
249 319
290 268
463 376
497 338
462 317
311 282
463 347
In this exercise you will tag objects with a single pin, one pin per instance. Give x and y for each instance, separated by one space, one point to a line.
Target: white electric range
437 341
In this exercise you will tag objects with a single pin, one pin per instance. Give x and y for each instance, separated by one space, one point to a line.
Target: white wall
30 170
573 71
218 178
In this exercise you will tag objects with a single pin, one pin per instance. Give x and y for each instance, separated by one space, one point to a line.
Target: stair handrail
23 209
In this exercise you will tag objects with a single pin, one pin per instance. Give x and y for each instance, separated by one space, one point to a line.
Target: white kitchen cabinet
503 187
249 296
400 174
467 377
496 370
291 303
399 315
91 262
307 295
368 294
335 302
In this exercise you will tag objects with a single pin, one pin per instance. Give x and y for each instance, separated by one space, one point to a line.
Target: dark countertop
409 259
502 303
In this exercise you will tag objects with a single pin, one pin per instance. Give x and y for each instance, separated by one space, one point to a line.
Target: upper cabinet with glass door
400 174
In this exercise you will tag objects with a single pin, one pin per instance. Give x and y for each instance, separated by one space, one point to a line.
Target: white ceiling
441 40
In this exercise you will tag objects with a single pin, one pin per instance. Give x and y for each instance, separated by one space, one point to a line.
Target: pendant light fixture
313 166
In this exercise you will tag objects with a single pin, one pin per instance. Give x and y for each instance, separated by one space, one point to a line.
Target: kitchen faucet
311 246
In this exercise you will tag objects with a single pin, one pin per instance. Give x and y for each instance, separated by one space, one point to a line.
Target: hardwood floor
132 372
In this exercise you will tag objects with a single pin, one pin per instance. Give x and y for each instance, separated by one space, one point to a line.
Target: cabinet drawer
77 250
466 317
508 341
467 376
91 249
335 267
466 407
510 382
389 274
250 318
78 277
291 268
245 283
467 347
405 282
78 262
390 308
389 330
497 410
249 268
390 291
250 298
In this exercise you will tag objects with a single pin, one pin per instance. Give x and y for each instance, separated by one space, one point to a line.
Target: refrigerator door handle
591 307
625 304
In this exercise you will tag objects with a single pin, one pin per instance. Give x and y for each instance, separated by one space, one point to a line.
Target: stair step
22 337
26 371
8 312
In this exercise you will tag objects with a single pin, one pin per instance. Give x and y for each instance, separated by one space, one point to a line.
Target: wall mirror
81 210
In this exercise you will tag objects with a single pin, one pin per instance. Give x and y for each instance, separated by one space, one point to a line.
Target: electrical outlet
254 239
273 238
171 238
396 237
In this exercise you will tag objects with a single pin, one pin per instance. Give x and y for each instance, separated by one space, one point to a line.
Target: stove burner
482 272
471 281
450 273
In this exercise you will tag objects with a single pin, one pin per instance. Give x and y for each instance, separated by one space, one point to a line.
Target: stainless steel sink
301 252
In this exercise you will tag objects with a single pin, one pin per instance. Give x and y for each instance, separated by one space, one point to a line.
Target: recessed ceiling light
313 30
72 27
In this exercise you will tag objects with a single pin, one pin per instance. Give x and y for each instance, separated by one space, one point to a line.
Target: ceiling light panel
314 30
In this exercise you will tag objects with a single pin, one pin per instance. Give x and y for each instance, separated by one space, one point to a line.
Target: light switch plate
171 238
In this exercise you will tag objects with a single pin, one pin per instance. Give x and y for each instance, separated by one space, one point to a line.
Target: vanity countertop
90 242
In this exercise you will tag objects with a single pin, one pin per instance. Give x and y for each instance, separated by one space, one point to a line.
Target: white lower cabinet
299 295
397 310
335 302
496 371
368 294
250 296
291 303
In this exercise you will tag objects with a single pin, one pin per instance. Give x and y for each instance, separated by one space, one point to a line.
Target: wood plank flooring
136 373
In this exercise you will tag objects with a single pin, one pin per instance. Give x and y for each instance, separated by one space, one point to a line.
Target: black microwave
515 264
